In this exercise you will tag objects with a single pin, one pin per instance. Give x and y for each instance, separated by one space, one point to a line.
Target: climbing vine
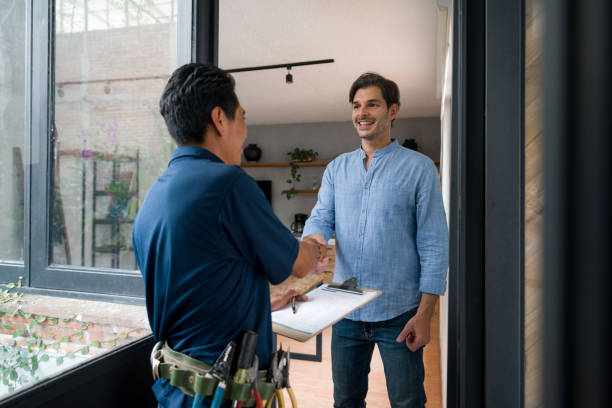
21 356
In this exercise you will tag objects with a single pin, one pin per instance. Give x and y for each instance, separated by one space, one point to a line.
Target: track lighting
289 77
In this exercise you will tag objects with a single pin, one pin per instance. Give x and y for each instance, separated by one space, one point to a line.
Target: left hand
284 300
415 333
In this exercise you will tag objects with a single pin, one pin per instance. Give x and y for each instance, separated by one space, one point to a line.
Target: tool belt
189 375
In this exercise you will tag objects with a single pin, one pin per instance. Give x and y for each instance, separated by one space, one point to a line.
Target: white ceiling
399 39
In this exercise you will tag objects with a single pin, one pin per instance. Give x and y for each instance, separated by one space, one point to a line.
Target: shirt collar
193 151
381 152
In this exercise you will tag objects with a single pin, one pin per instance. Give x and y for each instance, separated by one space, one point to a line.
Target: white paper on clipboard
325 306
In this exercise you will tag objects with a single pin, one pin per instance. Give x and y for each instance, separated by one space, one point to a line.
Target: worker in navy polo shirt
206 239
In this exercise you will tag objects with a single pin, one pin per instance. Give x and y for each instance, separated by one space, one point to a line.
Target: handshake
312 258
317 243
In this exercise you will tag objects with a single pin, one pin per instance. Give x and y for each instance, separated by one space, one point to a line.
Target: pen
293 305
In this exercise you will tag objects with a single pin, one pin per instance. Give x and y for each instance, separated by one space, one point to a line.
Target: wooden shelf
304 192
285 164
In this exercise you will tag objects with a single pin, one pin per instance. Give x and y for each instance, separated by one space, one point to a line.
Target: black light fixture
288 65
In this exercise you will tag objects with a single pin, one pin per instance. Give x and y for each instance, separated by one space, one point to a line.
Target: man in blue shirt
206 239
385 206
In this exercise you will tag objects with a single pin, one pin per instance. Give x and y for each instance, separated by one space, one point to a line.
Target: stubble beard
377 133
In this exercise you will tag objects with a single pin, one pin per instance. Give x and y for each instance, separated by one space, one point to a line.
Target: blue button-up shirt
390 227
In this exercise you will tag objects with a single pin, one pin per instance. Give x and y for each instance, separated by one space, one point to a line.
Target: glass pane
534 203
112 60
12 110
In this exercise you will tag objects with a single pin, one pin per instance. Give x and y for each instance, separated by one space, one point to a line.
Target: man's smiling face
371 115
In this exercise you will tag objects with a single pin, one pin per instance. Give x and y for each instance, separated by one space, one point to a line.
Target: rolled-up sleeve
322 217
432 234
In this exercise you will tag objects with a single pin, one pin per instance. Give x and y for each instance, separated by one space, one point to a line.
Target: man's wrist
427 307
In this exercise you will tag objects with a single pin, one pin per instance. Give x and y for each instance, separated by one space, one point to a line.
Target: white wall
329 139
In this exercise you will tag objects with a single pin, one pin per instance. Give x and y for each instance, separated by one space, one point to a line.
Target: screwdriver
245 360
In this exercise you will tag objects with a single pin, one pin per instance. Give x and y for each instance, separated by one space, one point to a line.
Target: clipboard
325 306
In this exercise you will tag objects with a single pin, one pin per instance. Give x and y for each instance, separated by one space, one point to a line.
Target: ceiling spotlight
289 77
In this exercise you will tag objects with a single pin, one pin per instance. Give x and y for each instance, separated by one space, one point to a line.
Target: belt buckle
155 359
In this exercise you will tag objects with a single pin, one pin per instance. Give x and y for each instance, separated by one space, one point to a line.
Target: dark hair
389 89
190 95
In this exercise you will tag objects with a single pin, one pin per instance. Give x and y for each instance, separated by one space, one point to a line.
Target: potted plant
296 156
119 193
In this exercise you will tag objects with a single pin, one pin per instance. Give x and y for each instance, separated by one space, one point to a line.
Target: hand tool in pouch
220 371
245 360
279 374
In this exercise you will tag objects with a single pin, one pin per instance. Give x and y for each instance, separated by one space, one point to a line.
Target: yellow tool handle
292 397
279 397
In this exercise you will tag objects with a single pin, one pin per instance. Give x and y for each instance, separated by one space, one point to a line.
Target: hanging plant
296 156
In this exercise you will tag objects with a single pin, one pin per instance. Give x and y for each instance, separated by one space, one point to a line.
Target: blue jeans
352 347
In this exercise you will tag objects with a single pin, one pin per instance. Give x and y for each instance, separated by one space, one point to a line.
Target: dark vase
410 144
252 153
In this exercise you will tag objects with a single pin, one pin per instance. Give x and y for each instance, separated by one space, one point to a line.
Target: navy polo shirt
208 244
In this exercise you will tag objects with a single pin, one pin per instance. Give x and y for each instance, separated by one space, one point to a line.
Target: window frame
38 275
486 351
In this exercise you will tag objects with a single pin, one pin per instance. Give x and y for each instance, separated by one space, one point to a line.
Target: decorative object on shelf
302 155
252 153
315 183
296 156
410 144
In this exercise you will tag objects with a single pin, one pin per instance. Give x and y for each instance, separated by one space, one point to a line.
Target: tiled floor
312 382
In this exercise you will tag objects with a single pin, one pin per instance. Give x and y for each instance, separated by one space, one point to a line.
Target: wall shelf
303 192
285 164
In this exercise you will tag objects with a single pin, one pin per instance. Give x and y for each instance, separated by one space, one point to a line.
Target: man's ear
218 119
394 109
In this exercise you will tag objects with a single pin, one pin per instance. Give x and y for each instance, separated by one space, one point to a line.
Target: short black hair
389 89
190 95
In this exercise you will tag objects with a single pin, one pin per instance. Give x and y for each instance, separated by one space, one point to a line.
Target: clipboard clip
349 285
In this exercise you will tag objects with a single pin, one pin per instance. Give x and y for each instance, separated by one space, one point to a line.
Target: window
80 148
112 60
12 128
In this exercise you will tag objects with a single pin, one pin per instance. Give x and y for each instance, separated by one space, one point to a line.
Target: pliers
280 377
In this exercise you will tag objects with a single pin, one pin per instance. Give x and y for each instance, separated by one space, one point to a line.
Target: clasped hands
316 258
319 245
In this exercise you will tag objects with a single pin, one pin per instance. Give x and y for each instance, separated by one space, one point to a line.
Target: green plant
118 190
302 155
297 155
18 365
7 296
119 193
20 358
